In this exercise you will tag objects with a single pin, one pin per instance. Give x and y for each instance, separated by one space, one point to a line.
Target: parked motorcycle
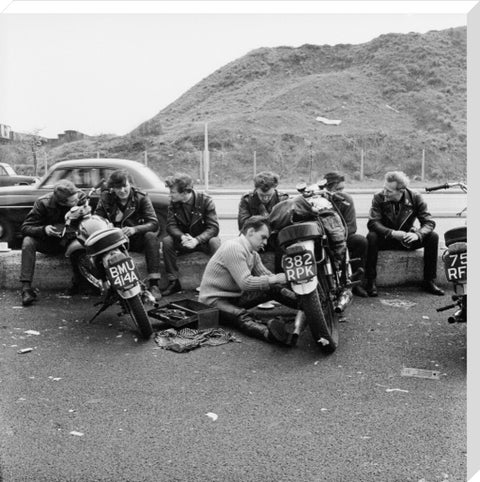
309 265
103 260
455 261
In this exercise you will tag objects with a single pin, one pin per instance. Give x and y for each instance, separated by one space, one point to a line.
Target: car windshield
7 170
86 177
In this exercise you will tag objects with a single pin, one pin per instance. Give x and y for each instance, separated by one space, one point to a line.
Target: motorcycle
103 260
455 261
309 265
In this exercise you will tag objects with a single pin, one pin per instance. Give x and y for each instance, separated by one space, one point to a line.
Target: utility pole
206 159
361 164
423 165
145 158
311 163
254 163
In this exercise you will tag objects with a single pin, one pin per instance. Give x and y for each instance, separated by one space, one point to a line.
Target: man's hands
52 231
189 241
405 237
128 231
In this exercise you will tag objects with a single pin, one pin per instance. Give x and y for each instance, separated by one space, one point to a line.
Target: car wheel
6 231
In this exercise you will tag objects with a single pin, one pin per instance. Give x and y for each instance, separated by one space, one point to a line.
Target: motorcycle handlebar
436 188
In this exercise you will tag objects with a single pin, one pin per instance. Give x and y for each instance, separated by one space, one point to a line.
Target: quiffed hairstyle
64 189
255 222
182 181
118 179
333 177
265 180
399 177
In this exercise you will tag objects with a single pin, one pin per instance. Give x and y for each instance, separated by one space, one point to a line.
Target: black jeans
173 247
150 244
430 253
51 245
234 311
357 249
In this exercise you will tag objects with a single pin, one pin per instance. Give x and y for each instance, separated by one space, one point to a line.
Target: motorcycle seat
299 232
455 235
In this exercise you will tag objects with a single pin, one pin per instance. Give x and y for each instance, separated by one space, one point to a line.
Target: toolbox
186 314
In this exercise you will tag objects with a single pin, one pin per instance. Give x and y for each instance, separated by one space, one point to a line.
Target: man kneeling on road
235 280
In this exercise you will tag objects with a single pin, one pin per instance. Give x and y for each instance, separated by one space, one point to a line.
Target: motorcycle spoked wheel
321 317
85 269
137 312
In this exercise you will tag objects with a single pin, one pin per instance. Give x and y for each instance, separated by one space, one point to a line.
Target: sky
99 71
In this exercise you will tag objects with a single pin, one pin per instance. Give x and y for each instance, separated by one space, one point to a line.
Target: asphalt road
93 403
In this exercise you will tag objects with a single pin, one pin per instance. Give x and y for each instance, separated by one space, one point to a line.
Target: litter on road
24 350
78 434
420 373
398 303
212 415
32 332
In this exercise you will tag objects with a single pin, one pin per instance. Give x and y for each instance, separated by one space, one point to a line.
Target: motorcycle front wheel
321 318
139 316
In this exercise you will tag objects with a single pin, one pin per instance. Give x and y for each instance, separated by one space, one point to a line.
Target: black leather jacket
139 212
46 211
383 221
201 222
250 205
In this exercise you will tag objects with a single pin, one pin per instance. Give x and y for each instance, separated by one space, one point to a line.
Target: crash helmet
91 225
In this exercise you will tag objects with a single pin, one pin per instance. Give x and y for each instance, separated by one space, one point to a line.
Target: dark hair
255 222
334 177
183 182
119 178
63 189
265 180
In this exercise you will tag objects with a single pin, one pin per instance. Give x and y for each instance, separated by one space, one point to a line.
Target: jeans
357 249
173 247
149 243
51 245
430 253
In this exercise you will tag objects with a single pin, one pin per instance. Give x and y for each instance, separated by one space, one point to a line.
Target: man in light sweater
235 280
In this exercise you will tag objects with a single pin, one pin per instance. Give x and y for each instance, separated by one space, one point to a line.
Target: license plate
123 274
456 266
299 267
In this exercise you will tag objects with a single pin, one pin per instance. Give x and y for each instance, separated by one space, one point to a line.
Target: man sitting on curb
130 209
42 231
192 225
390 226
235 280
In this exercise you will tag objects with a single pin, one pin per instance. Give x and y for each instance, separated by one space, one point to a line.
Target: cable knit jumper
234 268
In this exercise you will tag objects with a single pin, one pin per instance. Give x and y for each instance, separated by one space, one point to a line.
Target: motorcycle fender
126 294
75 245
305 288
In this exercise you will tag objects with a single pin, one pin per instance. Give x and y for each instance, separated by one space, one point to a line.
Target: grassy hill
397 97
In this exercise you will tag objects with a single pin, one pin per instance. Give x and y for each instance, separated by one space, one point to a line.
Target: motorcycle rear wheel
321 318
139 316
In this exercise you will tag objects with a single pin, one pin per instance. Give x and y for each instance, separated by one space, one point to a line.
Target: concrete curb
395 268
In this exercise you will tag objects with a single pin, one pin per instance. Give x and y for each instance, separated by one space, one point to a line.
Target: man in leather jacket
192 225
391 226
260 202
356 243
42 231
130 209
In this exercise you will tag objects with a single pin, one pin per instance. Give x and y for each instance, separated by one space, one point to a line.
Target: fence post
423 165
145 158
254 163
361 164
206 163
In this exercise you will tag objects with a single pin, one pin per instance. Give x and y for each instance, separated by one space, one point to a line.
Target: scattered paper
78 434
212 415
25 350
32 332
324 120
396 390
398 303
420 373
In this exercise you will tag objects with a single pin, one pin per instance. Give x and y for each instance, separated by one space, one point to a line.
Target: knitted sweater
234 268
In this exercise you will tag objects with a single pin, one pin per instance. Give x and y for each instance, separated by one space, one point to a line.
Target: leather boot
254 329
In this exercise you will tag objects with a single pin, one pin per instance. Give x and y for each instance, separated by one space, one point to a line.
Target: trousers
150 244
377 243
173 247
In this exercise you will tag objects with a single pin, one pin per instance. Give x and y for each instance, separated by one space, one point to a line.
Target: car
8 176
17 201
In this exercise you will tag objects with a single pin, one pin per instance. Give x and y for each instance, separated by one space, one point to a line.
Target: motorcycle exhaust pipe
456 318
298 326
343 301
